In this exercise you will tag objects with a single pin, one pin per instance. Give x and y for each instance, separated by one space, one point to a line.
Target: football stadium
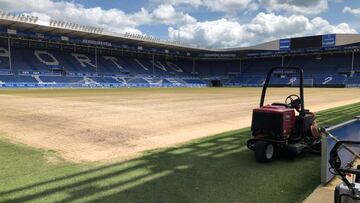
91 115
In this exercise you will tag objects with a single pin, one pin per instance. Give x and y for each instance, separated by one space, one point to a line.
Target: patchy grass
214 169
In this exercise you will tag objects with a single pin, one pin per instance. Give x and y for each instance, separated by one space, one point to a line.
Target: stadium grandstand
63 54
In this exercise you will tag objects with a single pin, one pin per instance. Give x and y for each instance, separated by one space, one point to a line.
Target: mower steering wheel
294 101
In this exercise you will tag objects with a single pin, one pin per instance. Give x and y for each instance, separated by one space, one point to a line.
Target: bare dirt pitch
107 124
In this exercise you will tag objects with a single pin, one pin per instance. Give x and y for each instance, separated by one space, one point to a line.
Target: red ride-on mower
283 127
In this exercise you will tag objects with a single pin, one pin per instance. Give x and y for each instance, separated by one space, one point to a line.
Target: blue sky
210 23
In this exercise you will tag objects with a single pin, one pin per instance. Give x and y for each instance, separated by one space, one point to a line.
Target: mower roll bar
267 81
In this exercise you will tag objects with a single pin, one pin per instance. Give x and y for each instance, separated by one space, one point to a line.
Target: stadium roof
18 23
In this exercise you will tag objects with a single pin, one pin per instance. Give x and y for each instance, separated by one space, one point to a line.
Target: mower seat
280 104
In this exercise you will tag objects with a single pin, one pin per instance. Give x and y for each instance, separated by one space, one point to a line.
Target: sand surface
96 125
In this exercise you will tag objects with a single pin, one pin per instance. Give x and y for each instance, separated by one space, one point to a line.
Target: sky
208 23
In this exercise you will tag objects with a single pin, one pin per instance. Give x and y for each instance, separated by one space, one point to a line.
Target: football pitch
116 124
49 139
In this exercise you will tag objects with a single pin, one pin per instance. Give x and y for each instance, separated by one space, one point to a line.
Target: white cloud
305 7
264 27
194 3
224 32
230 6
353 11
112 19
227 6
166 14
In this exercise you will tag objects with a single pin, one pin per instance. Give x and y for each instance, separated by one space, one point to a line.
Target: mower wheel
264 151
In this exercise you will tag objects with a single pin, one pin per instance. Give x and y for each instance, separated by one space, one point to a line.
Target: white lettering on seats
52 62
174 67
327 80
4 52
292 80
114 60
83 60
158 65
140 64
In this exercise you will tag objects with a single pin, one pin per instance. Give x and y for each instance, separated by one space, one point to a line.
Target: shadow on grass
215 169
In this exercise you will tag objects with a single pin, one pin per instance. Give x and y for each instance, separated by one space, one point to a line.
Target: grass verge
215 169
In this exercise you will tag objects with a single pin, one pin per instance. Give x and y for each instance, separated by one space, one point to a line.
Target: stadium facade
61 54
